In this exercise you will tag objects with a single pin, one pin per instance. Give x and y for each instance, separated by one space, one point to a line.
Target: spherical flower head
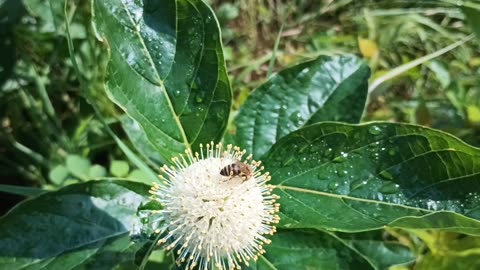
217 208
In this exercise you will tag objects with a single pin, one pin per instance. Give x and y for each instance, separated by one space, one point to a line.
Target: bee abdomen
230 170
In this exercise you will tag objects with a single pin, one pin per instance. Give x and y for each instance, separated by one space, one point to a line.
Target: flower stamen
214 220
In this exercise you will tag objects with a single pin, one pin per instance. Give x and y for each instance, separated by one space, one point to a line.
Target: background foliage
59 126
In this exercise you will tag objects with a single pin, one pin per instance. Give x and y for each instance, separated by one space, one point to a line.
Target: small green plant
291 180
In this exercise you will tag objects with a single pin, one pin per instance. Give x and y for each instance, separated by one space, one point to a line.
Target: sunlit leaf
85 226
324 89
166 70
352 178
297 249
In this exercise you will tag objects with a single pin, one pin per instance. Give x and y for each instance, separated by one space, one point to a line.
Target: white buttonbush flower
215 214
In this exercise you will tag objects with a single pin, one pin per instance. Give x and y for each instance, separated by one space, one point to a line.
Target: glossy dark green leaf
296 249
381 254
85 226
140 141
361 177
167 69
324 89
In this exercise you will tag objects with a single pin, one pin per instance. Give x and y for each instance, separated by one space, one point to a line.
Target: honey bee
238 168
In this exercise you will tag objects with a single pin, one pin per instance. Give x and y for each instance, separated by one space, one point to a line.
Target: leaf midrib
160 81
346 197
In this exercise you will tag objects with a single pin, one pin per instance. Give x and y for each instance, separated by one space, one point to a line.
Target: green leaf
135 159
442 221
78 166
140 141
119 168
379 253
324 89
83 226
166 70
354 178
41 9
138 176
97 171
447 261
296 249
58 174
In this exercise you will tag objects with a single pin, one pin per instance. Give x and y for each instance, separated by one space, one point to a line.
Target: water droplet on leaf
323 175
386 175
332 185
389 188
374 130
342 173
393 151
343 156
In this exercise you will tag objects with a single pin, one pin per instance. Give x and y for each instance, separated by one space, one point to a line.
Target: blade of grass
29 152
409 11
405 67
21 191
274 53
463 3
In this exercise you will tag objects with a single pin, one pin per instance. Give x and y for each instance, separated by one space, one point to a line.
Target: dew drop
389 188
295 117
332 185
343 156
327 152
374 130
357 184
342 173
432 205
393 151
386 175
323 175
